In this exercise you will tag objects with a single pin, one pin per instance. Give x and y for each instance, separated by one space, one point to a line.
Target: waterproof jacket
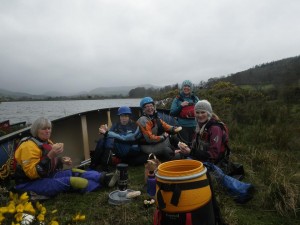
153 128
176 109
32 161
210 142
123 138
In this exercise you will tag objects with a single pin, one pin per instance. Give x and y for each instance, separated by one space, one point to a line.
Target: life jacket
187 112
19 174
157 127
205 137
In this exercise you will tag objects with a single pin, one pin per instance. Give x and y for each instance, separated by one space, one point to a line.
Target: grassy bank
264 137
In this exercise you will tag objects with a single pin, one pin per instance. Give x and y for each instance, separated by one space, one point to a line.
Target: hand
67 160
177 129
184 149
166 135
103 129
57 149
184 103
177 151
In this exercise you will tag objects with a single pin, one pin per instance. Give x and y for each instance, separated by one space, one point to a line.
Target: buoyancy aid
202 141
187 112
157 127
44 167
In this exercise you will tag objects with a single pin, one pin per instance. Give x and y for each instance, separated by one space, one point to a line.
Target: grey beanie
204 105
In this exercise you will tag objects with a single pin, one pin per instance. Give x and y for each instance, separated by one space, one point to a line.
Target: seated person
211 141
156 138
121 140
39 167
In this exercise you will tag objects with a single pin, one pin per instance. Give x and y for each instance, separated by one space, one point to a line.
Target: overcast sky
78 45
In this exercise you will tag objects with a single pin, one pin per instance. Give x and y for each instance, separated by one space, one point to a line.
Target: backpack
226 151
235 170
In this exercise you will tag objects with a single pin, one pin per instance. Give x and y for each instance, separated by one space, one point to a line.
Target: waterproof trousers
60 182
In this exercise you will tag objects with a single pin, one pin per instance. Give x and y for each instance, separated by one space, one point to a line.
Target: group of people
39 164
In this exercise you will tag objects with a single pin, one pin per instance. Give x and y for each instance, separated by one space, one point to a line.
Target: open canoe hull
78 132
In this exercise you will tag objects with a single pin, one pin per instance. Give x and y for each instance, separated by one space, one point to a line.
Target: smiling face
44 133
201 116
124 119
186 90
149 109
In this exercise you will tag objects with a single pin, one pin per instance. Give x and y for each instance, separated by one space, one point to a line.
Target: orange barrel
182 186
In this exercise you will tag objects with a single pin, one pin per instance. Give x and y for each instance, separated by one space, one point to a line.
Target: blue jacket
123 138
176 109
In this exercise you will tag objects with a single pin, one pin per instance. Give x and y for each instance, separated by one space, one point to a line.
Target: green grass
97 210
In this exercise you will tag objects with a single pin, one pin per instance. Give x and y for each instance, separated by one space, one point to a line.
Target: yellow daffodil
20 208
39 206
43 210
41 217
11 208
12 223
79 217
53 222
3 209
29 208
82 218
1 218
24 197
19 217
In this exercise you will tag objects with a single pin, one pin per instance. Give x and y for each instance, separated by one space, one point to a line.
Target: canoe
78 132
6 127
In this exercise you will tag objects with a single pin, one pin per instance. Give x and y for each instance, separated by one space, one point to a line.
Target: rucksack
226 151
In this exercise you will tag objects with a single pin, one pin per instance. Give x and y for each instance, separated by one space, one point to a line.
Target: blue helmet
124 110
145 101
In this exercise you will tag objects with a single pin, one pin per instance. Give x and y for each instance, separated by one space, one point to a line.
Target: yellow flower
41 217
11 208
12 223
3 209
18 217
82 218
1 218
79 217
13 196
29 208
20 208
43 210
53 222
39 206
24 197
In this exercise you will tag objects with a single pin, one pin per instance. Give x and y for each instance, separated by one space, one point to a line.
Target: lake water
29 111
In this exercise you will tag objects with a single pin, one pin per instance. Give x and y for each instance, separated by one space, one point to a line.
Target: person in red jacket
211 139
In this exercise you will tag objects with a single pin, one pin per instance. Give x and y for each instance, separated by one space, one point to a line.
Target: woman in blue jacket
121 140
183 108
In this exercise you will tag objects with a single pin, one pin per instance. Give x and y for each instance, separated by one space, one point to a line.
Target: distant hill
100 91
121 90
281 72
17 95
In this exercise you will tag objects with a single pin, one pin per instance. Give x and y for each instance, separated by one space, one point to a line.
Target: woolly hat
187 83
204 105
